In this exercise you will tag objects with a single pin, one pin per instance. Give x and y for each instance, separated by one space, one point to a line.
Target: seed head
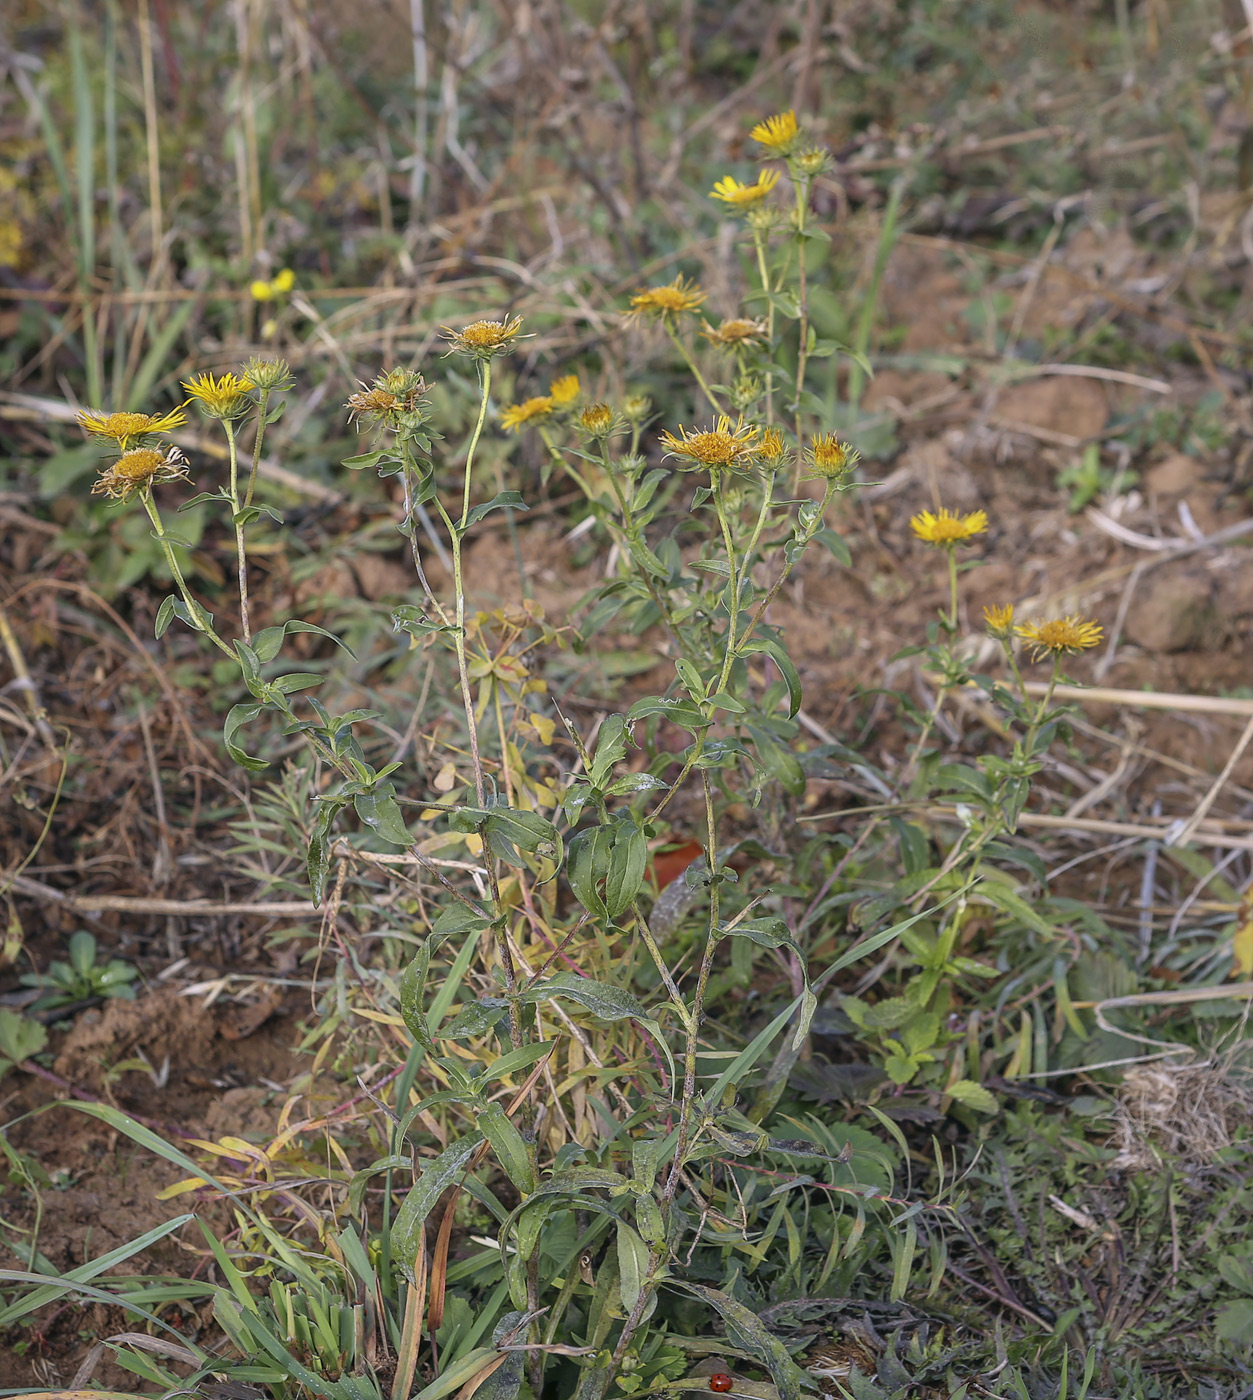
484 339
139 470
393 395
947 529
736 334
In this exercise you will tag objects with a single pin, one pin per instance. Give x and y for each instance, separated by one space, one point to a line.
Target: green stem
733 584
802 354
952 591
241 558
256 447
193 607
692 365
485 387
763 271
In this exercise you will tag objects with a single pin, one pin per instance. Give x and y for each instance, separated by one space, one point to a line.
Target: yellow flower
283 282
396 392
261 290
483 339
138 470
740 196
999 621
122 427
772 451
565 390
736 333
1062 636
718 447
829 457
948 529
598 420
671 300
778 134
519 414
225 397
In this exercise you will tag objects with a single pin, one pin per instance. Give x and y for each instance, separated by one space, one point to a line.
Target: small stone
1172 610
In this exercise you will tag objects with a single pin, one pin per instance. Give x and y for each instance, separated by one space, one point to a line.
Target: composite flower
1060 636
717 448
517 415
397 392
598 420
778 134
948 529
223 396
999 621
772 451
742 197
830 458
483 339
139 470
673 300
124 428
738 333
565 390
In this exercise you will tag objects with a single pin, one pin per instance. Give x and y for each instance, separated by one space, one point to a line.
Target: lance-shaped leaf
747 1331
437 1176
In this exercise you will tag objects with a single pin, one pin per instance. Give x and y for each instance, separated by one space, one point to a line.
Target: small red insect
720 1382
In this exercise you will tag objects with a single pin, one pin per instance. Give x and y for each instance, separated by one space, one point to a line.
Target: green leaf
634 1260
474 1018
437 1175
681 712
505 500
20 1037
508 1145
611 747
173 608
791 677
239 716
973 1095
510 830
628 863
634 782
379 811
516 1060
747 1331
412 995
994 892
772 932
364 460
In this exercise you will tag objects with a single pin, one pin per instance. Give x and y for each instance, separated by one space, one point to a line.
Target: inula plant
569 1178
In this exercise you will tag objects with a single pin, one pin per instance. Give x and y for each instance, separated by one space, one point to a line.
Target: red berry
720 1382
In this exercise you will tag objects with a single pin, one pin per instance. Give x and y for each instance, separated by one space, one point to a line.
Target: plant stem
256 446
802 354
763 271
241 558
193 607
692 365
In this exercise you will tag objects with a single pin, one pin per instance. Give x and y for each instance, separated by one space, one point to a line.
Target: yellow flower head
778 134
1062 636
261 290
671 300
483 339
224 397
999 620
123 427
743 197
947 529
830 458
636 407
519 414
397 392
736 334
598 420
565 390
283 282
138 470
772 450
716 448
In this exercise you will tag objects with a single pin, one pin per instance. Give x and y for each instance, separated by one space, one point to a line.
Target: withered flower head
483 339
735 334
391 396
139 470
